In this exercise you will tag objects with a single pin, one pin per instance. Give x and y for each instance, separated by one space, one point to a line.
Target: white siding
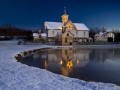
50 33
74 33
86 34
78 33
83 34
56 32
53 33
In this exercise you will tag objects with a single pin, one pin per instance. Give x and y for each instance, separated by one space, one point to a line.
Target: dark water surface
102 65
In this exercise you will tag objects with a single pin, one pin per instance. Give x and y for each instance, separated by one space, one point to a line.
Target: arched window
67 34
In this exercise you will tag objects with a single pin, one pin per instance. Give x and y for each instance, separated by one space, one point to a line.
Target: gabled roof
71 33
70 22
81 26
53 25
102 34
99 34
43 34
35 34
58 25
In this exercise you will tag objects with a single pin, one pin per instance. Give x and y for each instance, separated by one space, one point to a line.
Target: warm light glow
45 64
61 62
64 18
77 61
70 64
60 28
65 71
69 26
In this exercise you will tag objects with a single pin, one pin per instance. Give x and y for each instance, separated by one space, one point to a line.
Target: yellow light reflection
70 64
61 62
45 64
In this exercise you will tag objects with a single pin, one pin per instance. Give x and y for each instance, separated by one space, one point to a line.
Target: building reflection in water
92 64
66 59
67 63
46 64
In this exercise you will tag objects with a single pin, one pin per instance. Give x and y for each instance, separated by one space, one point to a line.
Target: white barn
79 30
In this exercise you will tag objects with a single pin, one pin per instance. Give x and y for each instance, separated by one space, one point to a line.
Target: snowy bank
17 76
14 42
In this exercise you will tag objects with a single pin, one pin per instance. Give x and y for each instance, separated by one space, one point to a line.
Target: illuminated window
69 26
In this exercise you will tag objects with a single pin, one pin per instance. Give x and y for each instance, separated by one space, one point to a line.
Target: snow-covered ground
14 42
17 76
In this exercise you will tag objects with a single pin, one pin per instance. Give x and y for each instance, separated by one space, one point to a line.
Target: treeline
96 30
8 31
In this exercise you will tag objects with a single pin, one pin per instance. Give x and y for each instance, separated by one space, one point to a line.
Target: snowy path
16 76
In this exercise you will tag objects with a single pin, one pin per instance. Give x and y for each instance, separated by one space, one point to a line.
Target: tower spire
64 16
64 10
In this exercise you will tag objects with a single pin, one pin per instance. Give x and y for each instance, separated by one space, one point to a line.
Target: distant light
77 61
61 62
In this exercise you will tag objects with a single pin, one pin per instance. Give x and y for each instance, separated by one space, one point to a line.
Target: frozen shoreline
17 76
89 46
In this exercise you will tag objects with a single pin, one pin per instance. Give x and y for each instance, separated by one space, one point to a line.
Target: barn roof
58 25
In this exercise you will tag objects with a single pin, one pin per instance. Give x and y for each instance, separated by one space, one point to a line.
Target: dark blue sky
33 13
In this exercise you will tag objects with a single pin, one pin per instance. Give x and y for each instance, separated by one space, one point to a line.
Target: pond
97 64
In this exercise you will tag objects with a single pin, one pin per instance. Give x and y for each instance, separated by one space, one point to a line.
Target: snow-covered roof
81 26
99 34
58 25
35 34
43 34
53 25
102 34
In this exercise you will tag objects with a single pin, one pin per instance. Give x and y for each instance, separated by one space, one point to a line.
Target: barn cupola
64 16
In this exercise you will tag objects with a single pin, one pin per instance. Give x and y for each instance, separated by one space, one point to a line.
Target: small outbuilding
104 37
43 36
36 37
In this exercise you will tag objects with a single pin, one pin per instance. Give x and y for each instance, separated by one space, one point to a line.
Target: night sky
32 13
